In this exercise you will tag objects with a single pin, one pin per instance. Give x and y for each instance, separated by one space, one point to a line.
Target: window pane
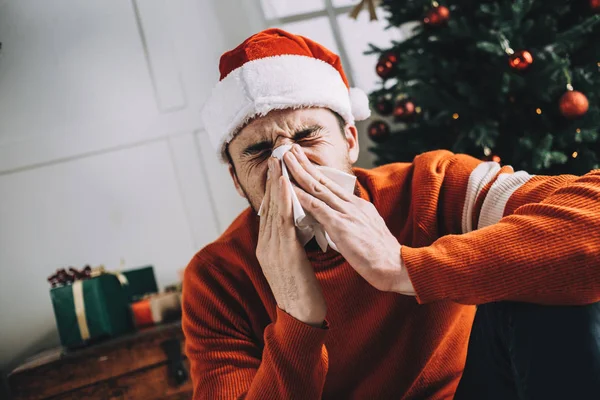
343 3
357 34
317 29
284 8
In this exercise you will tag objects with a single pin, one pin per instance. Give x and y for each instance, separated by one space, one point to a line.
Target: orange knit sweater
472 232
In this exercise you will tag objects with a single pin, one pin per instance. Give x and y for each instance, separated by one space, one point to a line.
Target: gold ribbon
371 5
79 302
101 270
84 330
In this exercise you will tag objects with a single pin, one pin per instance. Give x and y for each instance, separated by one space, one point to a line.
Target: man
389 314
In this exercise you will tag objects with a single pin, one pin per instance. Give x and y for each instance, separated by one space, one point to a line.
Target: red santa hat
275 70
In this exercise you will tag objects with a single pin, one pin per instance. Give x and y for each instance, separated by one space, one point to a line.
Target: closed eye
264 149
308 133
258 149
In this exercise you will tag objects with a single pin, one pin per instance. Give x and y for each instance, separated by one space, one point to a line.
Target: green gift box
92 309
141 282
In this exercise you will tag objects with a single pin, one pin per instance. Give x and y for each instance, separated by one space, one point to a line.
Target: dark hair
228 157
341 122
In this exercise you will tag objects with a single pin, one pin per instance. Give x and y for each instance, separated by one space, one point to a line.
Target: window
328 22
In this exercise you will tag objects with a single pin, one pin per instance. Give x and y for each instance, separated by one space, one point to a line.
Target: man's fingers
275 169
325 215
264 212
313 186
318 175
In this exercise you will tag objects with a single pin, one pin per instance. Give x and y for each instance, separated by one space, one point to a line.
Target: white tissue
306 226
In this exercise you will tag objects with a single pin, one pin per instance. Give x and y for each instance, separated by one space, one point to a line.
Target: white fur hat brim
274 83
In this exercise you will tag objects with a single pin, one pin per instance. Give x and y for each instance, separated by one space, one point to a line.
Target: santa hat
275 70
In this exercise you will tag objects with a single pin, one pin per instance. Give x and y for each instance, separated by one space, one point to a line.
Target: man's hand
281 256
353 224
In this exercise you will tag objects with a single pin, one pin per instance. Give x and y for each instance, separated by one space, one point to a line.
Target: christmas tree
512 81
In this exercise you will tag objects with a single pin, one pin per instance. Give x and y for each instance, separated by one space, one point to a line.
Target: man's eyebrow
305 131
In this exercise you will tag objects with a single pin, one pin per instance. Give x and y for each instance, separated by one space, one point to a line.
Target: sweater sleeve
507 235
228 362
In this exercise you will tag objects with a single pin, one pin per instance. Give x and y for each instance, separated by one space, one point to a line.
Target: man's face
317 130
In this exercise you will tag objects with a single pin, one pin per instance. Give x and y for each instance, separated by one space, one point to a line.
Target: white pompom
360 104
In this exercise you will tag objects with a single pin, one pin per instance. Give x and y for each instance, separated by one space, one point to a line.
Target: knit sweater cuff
426 285
302 345
295 331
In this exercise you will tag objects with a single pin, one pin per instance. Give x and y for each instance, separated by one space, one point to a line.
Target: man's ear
236 183
351 134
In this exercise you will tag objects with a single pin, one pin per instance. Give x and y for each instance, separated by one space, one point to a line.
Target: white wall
102 153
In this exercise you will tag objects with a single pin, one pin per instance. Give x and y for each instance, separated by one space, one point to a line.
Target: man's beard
312 245
248 198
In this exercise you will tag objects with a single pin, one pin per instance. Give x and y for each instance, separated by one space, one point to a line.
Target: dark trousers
528 351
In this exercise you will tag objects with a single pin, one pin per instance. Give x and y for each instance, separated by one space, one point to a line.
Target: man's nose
311 155
282 140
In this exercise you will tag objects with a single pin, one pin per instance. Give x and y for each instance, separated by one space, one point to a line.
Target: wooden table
145 365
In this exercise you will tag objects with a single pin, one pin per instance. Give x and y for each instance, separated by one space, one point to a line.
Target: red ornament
520 60
384 106
437 16
378 131
573 104
595 5
404 110
386 64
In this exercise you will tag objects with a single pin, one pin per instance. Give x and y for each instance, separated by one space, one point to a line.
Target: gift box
157 309
142 282
92 308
